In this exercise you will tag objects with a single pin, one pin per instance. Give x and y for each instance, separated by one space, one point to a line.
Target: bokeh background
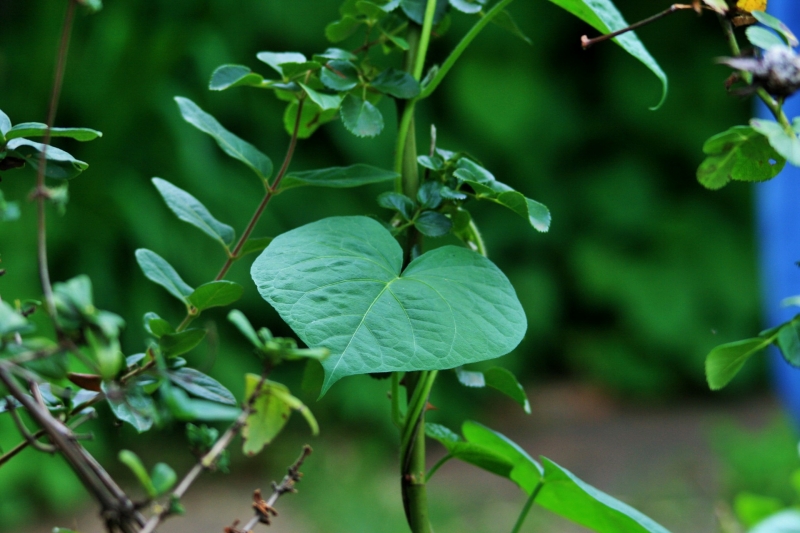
641 274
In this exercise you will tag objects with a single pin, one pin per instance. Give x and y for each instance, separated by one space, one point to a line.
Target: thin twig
586 42
30 438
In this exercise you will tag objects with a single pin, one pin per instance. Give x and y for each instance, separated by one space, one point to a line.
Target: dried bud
777 70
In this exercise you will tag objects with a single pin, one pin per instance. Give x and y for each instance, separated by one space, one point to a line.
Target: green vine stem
527 507
437 466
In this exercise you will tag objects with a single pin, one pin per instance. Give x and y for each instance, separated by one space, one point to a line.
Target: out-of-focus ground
659 459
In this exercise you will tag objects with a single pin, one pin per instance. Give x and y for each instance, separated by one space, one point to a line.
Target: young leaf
175 344
132 461
37 129
339 75
276 59
157 270
60 164
397 83
360 117
355 301
741 154
603 16
338 177
188 409
785 143
772 22
762 37
725 361
326 102
200 385
163 478
398 202
433 224
228 76
189 209
789 342
230 143
131 405
242 324
215 294
504 381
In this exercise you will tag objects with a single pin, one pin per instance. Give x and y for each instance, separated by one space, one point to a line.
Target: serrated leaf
198 384
339 75
433 224
157 270
189 209
131 405
397 83
175 344
229 76
742 154
227 141
338 284
338 177
785 143
276 59
486 187
725 361
188 409
603 16
217 293
773 22
762 37
325 102
360 117
60 164
398 202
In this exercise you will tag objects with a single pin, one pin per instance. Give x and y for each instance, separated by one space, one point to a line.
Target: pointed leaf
338 177
338 284
188 409
604 17
240 321
228 76
157 270
507 22
230 143
60 164
175 344
37 129
132 461
189 209
200 385
360 117
741 154
504 381
276 59
5 124
215 294
397 83
725 361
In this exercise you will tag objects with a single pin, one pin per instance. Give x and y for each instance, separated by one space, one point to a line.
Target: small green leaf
296 70
440 432
276 59
228 76
338 177
772 22
360 117
341 29
335 53
397 202
60 164
132 461
785 143
325 102
507 22
254 245
238 319
339 75
189 209
415 10
131 405
11 321
789 342
433 163
741 154
429 195
198 384
37 129
156 326
312 117
504 381
175 344
397 83
725 361
5 125
215 294
433 224
157 270
163 478
188 409
763 38
470 7
230 143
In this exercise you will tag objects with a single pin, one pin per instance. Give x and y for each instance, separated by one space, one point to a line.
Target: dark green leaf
131 405
360 117
163 478
179 343
415 10
242 324
772 22
189 209
60 164
230 143
341 29
156 326
785 143
507 22
740 154
276 59
37 129
339 75
294 70
762 37
725 361
789 342
346 293
433 224
188 410
198 384
254 245
398 202
398 41
132 461
396 83
228 76
311 118
469 7
157 270
433 163
429 195
338 177
604 17
215 294
325 102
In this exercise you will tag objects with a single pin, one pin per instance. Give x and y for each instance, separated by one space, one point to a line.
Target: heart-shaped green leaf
338 284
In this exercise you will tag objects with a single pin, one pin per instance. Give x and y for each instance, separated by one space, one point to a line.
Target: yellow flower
751 5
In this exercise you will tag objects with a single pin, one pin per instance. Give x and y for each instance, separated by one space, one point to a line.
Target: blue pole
778 223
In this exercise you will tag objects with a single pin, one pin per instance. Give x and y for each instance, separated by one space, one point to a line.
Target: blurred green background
642 273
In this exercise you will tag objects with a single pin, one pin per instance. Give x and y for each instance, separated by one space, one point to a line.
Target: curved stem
527 507
437 466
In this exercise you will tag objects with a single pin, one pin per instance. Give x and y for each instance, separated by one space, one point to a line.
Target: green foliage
187 208
739 154
785 141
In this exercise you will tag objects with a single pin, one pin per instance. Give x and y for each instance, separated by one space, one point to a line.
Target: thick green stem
527 507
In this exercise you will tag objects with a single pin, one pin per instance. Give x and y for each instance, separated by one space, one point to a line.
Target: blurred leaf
217 293
341 29
415 10
230 143
338 177
325 102
163 478
789 342
360 117
762 37
507 22
37 129
335 53
469 7
5 125
433 224
339 75
11 321
312 117
132 461
725 361
200 385
157 270
752 508
60 164
370 315
93 6
398 202
504 381
720 6
772 22
787 521
228 76
179 343
396 83
605 18
254 245
9 211
242 324
188 409
739 153
785 143
156 326
429 195
470 378
131 405
276 59
189 209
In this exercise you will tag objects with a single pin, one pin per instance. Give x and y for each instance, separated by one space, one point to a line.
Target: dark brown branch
586 42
